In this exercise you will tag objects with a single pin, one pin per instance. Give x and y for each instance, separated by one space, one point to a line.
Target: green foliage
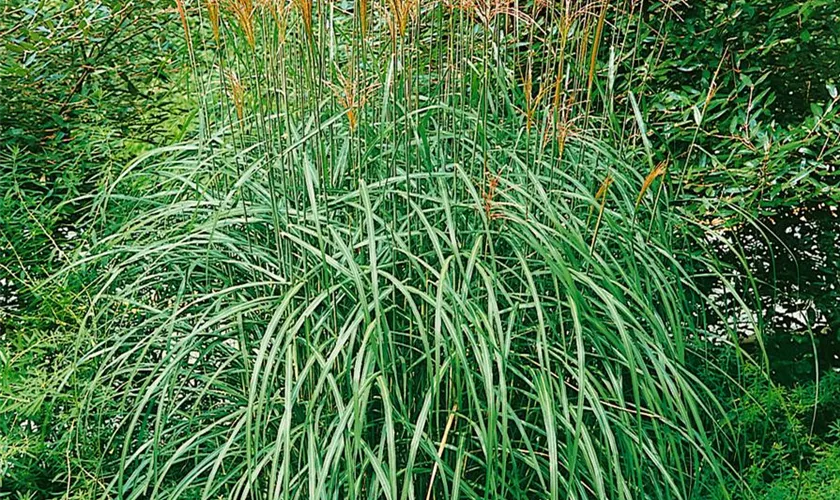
412 249
84 86
85 68
395 264
791 438
403 303
752 111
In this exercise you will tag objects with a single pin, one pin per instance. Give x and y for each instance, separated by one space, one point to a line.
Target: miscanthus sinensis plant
412 252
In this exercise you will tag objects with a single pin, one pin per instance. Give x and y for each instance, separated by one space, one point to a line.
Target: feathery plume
213 15
237 93
243 11
657 171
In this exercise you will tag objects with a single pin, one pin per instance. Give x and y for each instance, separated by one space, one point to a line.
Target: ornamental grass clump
390 284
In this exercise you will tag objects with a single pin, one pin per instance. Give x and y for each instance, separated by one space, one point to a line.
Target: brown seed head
657 171
278 9
213 15
182 13
399 13
243 11
605 186
351 95
363 10
305 8
237 93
